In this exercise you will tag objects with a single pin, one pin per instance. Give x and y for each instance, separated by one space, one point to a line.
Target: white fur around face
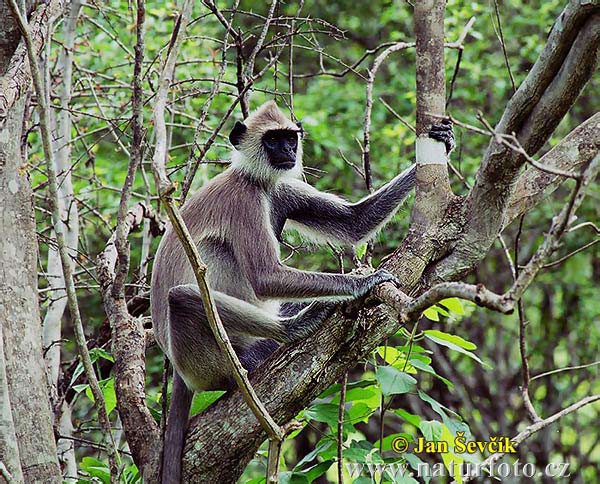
250 157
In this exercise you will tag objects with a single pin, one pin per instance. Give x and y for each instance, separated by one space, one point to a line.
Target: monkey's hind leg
179 409
194 350
307 320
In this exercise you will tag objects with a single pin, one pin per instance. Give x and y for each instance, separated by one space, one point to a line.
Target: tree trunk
19 312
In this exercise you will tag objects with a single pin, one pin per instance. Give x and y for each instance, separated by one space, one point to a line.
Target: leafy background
459 369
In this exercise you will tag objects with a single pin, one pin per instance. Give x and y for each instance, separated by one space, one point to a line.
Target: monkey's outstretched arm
282 282
322 214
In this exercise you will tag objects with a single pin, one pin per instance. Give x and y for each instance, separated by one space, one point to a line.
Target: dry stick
570 254
511 141
533 428
82 349
502 43
340 429
566 368
249 67
366 146
166 189
366 151
557 229
460 47
382 406
527 403
192 168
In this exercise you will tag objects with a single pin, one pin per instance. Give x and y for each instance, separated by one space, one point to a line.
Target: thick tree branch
562 69
17 79
433 184
129 348
573 152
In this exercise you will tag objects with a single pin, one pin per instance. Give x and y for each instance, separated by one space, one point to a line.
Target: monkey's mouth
284 165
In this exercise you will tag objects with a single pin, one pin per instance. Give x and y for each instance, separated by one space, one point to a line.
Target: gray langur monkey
236 220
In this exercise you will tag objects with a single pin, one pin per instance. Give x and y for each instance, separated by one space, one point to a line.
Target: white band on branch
430 151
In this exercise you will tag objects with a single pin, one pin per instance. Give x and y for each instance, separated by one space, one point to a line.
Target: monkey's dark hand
379 277
443 132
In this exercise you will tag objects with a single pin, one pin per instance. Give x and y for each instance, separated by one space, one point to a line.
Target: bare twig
529 408
535 427
500 35
566 368
340 428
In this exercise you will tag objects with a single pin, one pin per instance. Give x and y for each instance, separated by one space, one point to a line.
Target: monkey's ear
236 133
299 124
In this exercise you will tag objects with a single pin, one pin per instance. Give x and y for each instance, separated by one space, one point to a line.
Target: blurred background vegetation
451 384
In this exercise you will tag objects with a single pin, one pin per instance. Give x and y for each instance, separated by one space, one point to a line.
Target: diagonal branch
550 89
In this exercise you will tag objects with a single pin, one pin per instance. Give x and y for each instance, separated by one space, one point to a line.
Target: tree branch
551 87
17 79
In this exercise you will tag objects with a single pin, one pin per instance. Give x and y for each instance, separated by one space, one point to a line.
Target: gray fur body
236 220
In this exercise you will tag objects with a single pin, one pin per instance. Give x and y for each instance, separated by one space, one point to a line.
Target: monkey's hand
443 132
378 277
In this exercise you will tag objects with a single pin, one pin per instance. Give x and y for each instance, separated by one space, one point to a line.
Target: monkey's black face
281 146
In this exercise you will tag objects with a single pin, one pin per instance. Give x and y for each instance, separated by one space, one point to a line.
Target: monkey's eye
270 140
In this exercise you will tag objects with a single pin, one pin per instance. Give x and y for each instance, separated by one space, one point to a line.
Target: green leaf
361 250
203 400
362 451
393 381
318 470
97 353
108 392
415 462
96 468
428 369
335 388
451 460
409 417
360 412
436 406
293 478
454 305
452 338
432 314
80 388
322 446
323 412
452 346
431 430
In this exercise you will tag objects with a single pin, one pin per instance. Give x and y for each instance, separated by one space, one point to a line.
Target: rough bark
17 78
9 451
19 311
141 430
573 153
